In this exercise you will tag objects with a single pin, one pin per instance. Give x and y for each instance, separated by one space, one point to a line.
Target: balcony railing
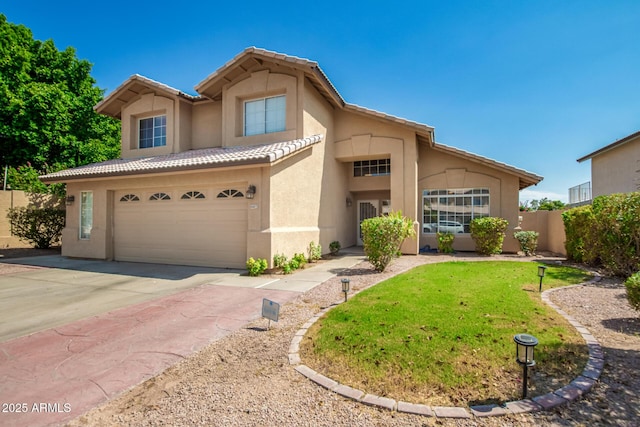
580 193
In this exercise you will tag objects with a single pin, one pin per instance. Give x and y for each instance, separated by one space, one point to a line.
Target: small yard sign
270 310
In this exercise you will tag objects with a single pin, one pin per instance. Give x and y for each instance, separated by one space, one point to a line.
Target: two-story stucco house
614 167
265 159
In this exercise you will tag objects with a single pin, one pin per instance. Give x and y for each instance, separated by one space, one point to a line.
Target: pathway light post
541 270
524 356
345 287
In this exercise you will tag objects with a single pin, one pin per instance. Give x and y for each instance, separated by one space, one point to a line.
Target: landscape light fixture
541 270
524 356
345 287
251 192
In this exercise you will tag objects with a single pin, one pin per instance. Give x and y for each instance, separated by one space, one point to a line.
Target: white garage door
186 227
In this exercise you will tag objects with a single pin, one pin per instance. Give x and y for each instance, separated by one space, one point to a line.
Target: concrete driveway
75 333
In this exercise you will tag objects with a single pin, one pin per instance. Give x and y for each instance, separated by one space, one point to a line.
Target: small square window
266 115
153 132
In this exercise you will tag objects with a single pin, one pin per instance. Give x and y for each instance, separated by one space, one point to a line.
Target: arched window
129 198
160 196
230 193
189 195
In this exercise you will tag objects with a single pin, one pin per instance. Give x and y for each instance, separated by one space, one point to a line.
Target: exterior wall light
251 192
524 356
345 287
69 200
541 270
349 202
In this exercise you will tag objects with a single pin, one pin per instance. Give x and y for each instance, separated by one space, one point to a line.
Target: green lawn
443 334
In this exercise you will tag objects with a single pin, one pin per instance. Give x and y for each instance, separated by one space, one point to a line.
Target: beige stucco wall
206 125
550 228
616 170
441 170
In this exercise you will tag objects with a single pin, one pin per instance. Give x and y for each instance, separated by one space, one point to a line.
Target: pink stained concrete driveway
58 374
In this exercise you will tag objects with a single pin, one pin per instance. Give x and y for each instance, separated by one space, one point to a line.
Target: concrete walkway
85 331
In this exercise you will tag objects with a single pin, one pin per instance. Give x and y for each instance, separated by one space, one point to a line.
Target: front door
366 209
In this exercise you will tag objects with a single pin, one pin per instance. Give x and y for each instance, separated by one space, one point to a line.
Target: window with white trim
153 132
86 214
452 210
265 115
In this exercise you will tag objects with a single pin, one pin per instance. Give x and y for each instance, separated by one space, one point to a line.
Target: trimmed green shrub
40 227
528 241
488 233
334 247
633 290
314 251
617 227
382 237
580 240
300 259
445 242
606 234
279 260
256 266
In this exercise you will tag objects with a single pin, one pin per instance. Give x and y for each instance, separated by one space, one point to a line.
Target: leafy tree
543 204
47 121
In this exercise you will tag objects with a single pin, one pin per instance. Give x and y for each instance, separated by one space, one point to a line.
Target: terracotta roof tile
193 159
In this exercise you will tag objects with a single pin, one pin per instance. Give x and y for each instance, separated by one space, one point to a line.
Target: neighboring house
614 168
267 158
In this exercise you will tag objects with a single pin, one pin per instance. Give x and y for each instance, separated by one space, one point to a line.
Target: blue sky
535 84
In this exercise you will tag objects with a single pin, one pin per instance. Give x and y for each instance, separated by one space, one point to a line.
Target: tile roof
195 159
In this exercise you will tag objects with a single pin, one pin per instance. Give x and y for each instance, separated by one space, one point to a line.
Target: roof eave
107 105
525 178
249 162
609 147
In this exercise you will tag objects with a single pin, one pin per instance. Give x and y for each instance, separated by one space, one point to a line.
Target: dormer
155 118
262 96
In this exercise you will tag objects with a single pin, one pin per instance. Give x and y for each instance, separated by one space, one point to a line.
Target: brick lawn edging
569 393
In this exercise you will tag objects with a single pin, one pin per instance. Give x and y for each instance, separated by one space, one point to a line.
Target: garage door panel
192 232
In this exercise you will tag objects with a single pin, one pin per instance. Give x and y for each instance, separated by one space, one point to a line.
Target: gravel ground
245 378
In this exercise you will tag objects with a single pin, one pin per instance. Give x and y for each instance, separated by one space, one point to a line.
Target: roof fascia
609 147
311 69
103 106
526 178
420 128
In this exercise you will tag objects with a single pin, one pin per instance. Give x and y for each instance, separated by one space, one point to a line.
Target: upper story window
265 115
153 132
372 167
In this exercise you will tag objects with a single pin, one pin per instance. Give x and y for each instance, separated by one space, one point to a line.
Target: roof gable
525 178
254 59
131 88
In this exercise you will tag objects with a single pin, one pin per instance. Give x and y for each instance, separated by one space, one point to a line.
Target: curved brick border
572 391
